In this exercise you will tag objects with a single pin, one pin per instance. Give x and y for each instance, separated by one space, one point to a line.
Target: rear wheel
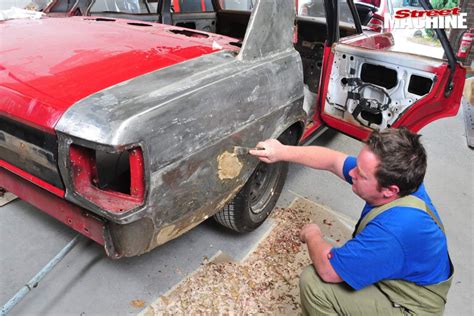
258 197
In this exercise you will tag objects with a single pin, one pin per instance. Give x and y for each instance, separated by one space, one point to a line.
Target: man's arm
318 250
315 157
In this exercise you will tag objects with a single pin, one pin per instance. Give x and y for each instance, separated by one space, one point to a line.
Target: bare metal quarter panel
187 118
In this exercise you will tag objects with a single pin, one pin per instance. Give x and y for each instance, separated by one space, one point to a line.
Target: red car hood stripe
49 64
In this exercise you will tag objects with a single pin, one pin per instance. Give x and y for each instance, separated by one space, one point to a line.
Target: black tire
257 198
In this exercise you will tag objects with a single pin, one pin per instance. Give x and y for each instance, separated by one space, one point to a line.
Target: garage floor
88 283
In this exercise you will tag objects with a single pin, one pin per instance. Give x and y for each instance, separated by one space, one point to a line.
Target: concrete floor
88 283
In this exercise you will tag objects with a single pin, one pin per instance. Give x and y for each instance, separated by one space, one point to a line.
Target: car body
127 131
158 156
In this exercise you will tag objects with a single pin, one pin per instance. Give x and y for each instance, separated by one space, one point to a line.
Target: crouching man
397 262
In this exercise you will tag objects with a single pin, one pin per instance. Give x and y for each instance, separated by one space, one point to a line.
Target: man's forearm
318 250
316 157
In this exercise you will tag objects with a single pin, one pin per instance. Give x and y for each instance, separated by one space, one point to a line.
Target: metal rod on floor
37 278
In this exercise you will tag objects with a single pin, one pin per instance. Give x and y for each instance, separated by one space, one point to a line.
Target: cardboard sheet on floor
266 281
6 198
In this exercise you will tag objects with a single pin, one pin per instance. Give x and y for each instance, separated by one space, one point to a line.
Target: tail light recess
113 181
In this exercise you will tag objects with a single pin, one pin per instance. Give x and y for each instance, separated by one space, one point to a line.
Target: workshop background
87 282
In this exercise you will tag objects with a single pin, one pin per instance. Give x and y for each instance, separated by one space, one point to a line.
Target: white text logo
426 19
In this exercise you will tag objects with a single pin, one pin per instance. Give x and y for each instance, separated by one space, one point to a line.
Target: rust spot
229 165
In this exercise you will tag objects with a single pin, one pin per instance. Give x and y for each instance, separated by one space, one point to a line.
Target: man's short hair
402 159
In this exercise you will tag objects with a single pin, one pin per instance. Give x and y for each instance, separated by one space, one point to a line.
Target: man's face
364 183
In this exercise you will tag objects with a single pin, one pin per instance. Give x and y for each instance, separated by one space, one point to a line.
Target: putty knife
238 150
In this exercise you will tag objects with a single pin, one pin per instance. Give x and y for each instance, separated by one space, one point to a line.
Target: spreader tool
238 150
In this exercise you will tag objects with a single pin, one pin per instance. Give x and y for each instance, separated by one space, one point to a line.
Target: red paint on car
61 63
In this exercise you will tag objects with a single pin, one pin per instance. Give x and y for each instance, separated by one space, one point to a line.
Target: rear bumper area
73 216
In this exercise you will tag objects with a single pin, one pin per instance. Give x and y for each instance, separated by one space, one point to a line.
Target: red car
126 131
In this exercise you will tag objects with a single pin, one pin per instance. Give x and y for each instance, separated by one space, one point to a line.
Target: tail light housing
376 23
112 181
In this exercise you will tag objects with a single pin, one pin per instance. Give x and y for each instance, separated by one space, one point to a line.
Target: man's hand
316 157
269 151
318 250
310 231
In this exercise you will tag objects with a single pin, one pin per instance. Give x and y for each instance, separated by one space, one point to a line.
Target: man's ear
390 191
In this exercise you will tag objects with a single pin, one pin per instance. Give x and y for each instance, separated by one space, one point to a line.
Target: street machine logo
426 19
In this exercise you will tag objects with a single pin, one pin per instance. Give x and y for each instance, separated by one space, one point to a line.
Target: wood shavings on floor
266 282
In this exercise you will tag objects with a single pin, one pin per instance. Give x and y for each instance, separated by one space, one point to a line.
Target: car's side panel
192 102
195 188
186 117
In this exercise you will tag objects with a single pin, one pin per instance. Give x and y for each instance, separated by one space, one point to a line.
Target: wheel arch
296 130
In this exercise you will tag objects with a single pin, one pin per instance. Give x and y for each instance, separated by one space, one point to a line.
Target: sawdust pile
266 282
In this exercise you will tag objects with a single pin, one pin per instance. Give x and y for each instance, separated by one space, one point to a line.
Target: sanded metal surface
185 118
268 30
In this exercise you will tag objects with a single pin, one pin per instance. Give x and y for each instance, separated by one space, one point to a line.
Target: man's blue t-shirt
401 243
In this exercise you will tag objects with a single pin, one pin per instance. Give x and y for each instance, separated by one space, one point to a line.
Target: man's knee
309 279
312 292
321 298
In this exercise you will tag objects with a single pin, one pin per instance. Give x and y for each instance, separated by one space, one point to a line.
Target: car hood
47 65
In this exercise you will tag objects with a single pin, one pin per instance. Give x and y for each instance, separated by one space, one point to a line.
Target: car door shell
374 47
